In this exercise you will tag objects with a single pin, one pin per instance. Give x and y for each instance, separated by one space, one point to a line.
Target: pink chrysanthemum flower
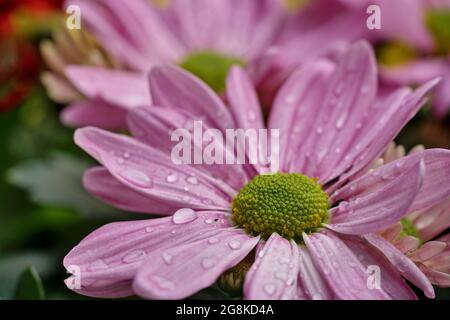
312 226
422 39
419 234
205 37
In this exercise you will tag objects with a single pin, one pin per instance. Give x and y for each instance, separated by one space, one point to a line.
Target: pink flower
414 235
332 127
414 27
195 34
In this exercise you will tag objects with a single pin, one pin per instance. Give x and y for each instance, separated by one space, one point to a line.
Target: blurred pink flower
333 126
420 244
411 28
205 37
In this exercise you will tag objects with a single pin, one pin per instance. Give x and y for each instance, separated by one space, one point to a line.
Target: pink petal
152 173
94 113
101 184
192 266
382 205
175 88
405 266
245 108
295 111
434 188
120 88
111 255
155 125
311 284
103 24
415 72
428 251
407 244
274 272
388 117
432 221
350 95
392 232
441 279
342 270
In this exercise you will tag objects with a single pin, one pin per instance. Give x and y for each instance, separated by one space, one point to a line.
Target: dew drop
167 258
208 263
97 265
281 275
120 161
134 256
213 240
319 130
251 116
137 178
234 244
192 180
149 229
290 98
269 288
317 296
209 221
172 178
343 205
163 283
184 215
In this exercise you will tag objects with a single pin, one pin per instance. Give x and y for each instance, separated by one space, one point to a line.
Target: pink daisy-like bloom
205 37
421 26
314 238
418 235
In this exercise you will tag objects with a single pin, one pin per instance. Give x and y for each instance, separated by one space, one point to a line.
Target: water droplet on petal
281 275
269 288
137 178
319 130
167 258
317 296
120 161
171 178
208 263
234 244
209 221
213 240
251 116
184 215
192 180
134 256
261 253
149 229
163 283
207 201
97 265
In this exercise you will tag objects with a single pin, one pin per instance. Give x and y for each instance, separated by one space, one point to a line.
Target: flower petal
94 113
405 266
341 269
175 88
151 125
295 111
120 88
113 253
192 266
311 284
152 173
381 206
100 183
274 273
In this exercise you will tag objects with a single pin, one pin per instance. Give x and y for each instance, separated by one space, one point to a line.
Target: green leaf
57 182
29 286
12 265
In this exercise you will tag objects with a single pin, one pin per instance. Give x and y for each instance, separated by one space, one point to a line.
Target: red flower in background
19 66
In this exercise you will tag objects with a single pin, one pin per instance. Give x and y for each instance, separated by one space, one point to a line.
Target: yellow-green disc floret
288 204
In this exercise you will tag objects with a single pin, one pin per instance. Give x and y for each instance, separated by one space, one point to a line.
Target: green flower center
288 204
395 53
408 229
438 22
211 67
